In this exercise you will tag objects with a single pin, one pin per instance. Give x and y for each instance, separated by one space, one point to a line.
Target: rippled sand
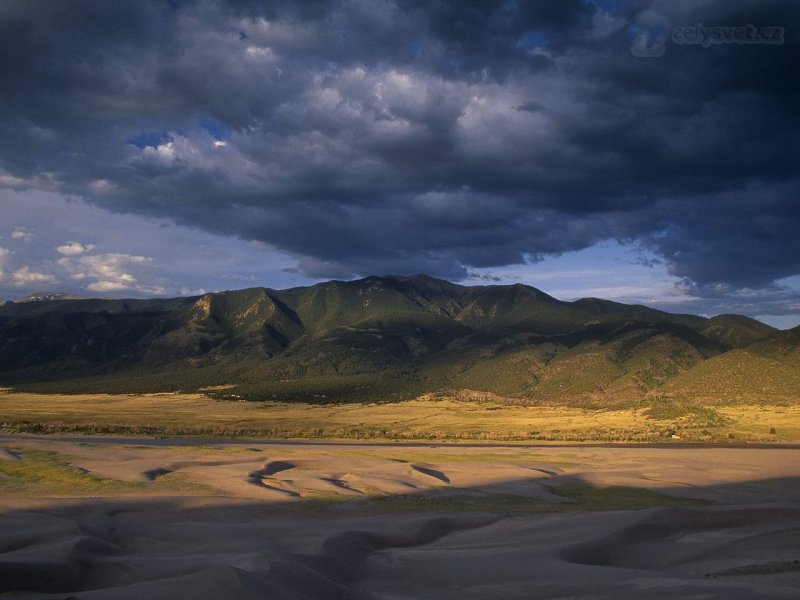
391 521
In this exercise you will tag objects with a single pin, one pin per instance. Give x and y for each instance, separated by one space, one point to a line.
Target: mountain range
385 338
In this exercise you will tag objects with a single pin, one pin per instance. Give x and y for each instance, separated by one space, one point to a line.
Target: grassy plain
426 418
46 473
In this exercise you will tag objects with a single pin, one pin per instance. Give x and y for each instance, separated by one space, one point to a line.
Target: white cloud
186 291
101 186
73 248
260 53
20 233
109 267
107 286
24 276
11 181
163 154
180 256
112 272
122 286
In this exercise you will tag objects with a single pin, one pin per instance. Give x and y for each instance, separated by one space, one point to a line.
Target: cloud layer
377 136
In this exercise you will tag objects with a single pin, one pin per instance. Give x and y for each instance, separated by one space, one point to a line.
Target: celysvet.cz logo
650 33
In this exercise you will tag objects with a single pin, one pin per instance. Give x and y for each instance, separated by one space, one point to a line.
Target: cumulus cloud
74 248
25 277
111 272
405 136
108 286
20 233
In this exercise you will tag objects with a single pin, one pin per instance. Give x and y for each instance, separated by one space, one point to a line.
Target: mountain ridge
388 337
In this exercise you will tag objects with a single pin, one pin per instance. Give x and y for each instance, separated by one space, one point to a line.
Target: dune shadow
275 467
342 485
154 474
436 474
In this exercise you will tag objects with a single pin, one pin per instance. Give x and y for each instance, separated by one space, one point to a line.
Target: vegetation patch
591 497
39 472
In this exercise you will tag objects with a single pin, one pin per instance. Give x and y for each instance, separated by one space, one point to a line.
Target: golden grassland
426 418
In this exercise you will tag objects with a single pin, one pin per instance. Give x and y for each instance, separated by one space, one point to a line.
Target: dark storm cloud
380 136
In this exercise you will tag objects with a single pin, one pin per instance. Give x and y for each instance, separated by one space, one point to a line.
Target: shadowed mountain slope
376 338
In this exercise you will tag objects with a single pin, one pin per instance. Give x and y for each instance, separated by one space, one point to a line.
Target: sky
641 151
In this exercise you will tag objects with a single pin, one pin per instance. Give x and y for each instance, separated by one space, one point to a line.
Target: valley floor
124 518
426 418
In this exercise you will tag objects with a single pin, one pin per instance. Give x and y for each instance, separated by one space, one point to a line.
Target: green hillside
738 375
736 331
766 370
783 346
390 338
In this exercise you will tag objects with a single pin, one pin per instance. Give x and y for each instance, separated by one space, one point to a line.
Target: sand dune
600 555
257 529
201 553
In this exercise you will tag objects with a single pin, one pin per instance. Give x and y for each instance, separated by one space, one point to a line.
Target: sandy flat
329 521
